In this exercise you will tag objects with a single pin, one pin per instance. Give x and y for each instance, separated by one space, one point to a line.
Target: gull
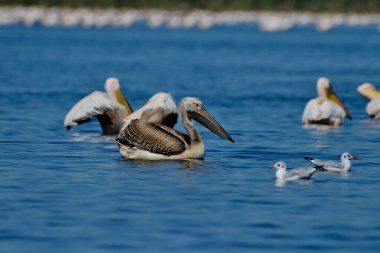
293 174
343 166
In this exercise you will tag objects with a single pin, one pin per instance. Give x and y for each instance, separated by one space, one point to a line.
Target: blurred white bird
343 166
373 107
112 110
294 174
327 108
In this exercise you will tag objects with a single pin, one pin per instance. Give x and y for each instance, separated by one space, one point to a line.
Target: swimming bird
373 107
140 139
112 109
327 108
343 166
294 174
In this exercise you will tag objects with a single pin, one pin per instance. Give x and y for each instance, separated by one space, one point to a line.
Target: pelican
293 174
373 106
140 139
112 110
344 166
327 108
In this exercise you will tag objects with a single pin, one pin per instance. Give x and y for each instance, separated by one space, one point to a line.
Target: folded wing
151 137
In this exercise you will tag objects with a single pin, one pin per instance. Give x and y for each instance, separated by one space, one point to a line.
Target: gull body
373 106
140 139
327 108
112 110
294 174
343 166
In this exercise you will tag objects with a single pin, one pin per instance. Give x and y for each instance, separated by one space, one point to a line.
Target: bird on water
112 109
140 139
327 108
373 106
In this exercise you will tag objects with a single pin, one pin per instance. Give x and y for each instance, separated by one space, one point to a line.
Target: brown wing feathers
150 137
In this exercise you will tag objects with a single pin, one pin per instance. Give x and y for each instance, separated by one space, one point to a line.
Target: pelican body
373 106
294 174
140 139
343 166
327 108
112 110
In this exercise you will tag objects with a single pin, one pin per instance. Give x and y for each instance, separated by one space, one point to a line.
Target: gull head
348 156
279 166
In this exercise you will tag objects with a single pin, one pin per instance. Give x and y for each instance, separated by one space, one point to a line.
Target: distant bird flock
93 17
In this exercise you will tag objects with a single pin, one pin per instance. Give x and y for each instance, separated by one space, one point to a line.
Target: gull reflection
282 183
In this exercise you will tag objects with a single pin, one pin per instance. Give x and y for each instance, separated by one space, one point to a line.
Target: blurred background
283 5
254 64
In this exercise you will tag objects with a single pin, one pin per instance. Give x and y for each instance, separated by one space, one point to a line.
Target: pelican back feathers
151 137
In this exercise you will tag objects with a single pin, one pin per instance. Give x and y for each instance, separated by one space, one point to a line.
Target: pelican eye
197 105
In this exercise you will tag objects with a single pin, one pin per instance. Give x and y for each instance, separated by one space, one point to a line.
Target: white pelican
140 139
344 166
327 108
112 110
373 106
293 174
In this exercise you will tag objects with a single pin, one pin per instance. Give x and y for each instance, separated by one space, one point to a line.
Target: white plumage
318 109
327 108
97 103
343 166
294 174
112 110
373 107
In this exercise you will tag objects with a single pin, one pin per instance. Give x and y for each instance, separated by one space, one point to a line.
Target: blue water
71 191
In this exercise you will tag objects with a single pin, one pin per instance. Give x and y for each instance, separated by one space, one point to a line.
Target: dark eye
197 105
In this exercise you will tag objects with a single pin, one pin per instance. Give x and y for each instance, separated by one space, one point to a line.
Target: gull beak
121 99
334 97
354 158
208 121
272 167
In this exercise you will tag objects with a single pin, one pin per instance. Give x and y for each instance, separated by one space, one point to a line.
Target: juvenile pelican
140 139
344 166
327 108
112 110
373 107
293 174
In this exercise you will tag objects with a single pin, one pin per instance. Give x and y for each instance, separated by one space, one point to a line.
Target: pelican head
369 91
113 90
325 91
193 108
279 166
112 85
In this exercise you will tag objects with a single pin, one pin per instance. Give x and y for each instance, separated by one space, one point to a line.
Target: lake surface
71 191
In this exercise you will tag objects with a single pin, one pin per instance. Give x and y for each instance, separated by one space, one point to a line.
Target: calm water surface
71 192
